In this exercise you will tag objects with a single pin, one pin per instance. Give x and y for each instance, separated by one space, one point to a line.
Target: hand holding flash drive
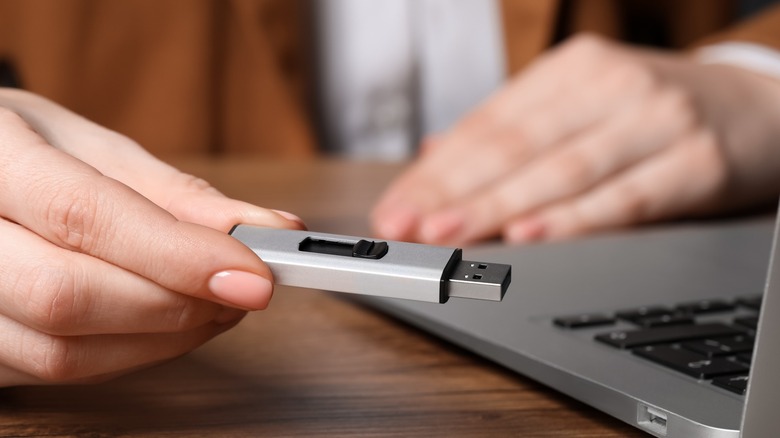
381 268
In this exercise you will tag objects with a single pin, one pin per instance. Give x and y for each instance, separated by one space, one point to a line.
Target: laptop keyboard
710 340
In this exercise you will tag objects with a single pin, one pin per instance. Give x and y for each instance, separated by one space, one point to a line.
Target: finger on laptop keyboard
659 187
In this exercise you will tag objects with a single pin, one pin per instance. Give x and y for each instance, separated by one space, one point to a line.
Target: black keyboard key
663 335
736 384
705 306
658 321
747 321
643 312
691 363
722 346
738 344
753 302
584 320
745 357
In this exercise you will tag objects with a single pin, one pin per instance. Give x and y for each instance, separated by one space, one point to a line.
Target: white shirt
394 70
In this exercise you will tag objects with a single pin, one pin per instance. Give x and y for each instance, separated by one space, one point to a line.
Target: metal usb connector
479 280
380 268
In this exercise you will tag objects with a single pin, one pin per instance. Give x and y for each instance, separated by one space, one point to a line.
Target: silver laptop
658 327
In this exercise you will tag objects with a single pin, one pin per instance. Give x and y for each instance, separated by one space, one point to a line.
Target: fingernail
531 230
289 216
242 289
228 315
397 223
441 226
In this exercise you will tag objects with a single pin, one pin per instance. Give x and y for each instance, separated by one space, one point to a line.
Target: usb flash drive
381 268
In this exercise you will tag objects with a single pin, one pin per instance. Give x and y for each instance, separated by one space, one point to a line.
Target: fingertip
244 290
297 221
396 223
526 231
219 212
442 226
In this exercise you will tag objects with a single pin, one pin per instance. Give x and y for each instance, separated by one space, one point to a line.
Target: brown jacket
216 76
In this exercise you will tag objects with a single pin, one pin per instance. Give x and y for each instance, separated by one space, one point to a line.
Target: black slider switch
369 249
364 249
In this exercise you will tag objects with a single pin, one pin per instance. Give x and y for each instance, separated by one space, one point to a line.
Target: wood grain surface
313 364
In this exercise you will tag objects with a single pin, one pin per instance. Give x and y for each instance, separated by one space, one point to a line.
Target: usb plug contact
479 280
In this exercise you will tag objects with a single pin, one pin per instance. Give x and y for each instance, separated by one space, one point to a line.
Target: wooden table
312 364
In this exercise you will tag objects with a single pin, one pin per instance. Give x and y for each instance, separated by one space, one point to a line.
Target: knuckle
53 359
614 69
587 51
11 117
631 205
187 186
679 105
619 205
187 313
714 175
193 183
72 214
628 74
7 115
117 140
573 171
586 43
52 301
501 205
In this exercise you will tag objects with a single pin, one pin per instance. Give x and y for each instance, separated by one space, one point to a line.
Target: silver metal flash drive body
381 268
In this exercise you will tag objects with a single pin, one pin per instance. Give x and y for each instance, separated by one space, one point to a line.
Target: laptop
670 329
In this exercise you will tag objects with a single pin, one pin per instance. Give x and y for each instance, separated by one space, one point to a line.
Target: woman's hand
110 260
595 135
